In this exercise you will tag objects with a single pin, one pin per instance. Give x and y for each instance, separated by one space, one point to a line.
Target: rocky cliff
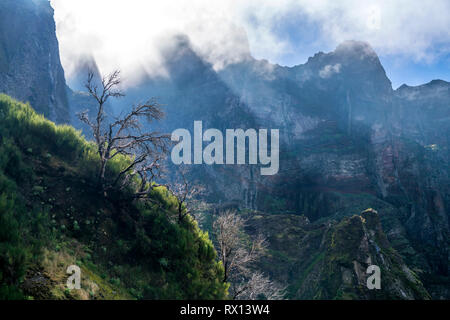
349 142
30 68
330 260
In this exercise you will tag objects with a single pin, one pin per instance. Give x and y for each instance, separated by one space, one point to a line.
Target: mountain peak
437 83
182 62
433 84
353 48
83 66
348 52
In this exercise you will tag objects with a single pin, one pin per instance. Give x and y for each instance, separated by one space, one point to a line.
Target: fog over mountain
364 169
130 36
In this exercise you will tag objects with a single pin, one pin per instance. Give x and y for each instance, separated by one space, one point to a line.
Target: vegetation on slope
52 215
328 260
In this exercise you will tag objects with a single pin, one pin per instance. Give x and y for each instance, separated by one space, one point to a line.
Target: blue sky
399 68
413 73
304 36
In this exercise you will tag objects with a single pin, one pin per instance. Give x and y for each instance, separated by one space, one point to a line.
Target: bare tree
238 259
185 192
259 286
125 136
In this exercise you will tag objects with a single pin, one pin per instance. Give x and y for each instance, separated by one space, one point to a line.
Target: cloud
414 29
129 34
329 70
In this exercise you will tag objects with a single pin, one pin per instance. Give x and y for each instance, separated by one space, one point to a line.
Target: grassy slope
52 216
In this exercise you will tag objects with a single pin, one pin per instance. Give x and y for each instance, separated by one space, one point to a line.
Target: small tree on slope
125 136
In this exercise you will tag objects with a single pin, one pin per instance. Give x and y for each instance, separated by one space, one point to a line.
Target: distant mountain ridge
349 141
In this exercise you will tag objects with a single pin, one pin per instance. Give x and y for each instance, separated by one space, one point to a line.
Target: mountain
355 142
348 142
30 67
217 106
83 66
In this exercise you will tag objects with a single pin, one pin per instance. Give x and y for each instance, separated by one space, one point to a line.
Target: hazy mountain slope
349 142
194 91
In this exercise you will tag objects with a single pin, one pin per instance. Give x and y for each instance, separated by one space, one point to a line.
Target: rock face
330 260
348 142
30 68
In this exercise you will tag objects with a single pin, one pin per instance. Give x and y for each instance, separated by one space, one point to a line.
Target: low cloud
329 70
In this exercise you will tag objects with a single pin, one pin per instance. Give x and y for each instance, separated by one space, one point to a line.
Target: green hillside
52 216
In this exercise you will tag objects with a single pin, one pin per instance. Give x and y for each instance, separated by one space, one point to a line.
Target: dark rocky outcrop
30 68
330 260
